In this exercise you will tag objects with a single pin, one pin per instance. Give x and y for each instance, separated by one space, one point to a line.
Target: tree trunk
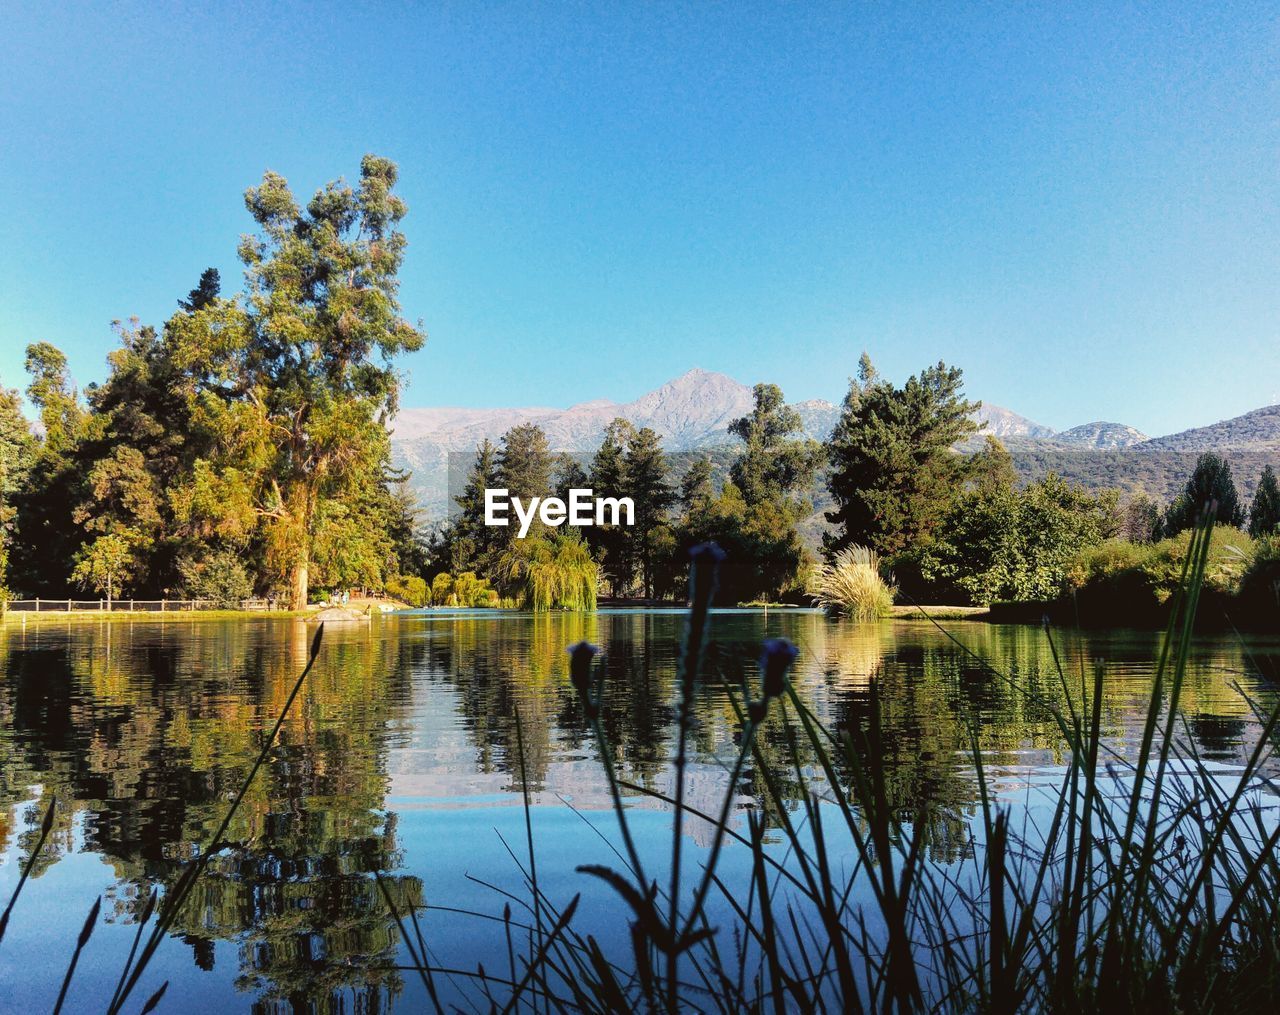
301 502
299 578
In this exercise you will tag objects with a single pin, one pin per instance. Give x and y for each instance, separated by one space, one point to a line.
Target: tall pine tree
894 470
1264 512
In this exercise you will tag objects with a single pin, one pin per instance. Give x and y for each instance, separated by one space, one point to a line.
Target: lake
401 757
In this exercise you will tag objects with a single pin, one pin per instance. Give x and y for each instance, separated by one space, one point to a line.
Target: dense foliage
1264 512
999 542
1138 581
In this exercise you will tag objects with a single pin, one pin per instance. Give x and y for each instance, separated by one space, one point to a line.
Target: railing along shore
131 605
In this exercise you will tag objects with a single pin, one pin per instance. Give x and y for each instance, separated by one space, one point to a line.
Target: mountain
690 413
1003 423
1254 431
1101 436
693 413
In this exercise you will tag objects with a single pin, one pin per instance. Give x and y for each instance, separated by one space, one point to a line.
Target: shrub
464 590
852 585
220 577
409 588
1260 585
1133 583
1229 557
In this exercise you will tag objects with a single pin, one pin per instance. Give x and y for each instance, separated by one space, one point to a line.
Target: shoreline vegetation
242 450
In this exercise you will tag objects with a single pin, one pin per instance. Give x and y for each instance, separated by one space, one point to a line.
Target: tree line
950 527
241 447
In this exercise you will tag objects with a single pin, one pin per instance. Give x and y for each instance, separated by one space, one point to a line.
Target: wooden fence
131 605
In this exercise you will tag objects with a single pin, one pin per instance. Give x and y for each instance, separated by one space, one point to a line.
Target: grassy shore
902 611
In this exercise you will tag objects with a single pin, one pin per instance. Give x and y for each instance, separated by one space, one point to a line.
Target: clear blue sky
1079 206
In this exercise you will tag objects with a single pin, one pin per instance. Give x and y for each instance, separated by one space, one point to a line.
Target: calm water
400 757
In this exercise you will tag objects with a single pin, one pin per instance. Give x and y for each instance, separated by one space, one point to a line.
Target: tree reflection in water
145 730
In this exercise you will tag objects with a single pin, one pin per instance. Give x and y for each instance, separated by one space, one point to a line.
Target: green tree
296 384
1141 521
54 397
525 466
756 516
894 470
137 446
17 451
106 564
45 538
696 488
1264 512
206 291
991 467
645 470
568 475
997 542
219 577
610 543
525 462
763 551
555 572
1210 484
468 544
773 464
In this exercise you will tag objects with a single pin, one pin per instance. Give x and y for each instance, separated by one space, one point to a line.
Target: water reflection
144 730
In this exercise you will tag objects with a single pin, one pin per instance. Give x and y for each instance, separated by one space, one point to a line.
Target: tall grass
851 584
1146 885
1150 885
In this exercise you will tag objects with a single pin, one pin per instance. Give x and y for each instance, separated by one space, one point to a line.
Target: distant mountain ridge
1258 430
693 412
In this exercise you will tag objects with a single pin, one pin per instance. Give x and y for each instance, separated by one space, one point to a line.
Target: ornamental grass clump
851 585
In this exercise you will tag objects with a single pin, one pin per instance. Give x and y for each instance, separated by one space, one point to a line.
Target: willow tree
295 382
556 572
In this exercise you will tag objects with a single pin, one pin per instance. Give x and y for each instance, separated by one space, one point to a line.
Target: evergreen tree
695 487
525 466
1264 512
206 291
46 539
568 476
644 469
1210 484
609 543
469 544
525 462
894 470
